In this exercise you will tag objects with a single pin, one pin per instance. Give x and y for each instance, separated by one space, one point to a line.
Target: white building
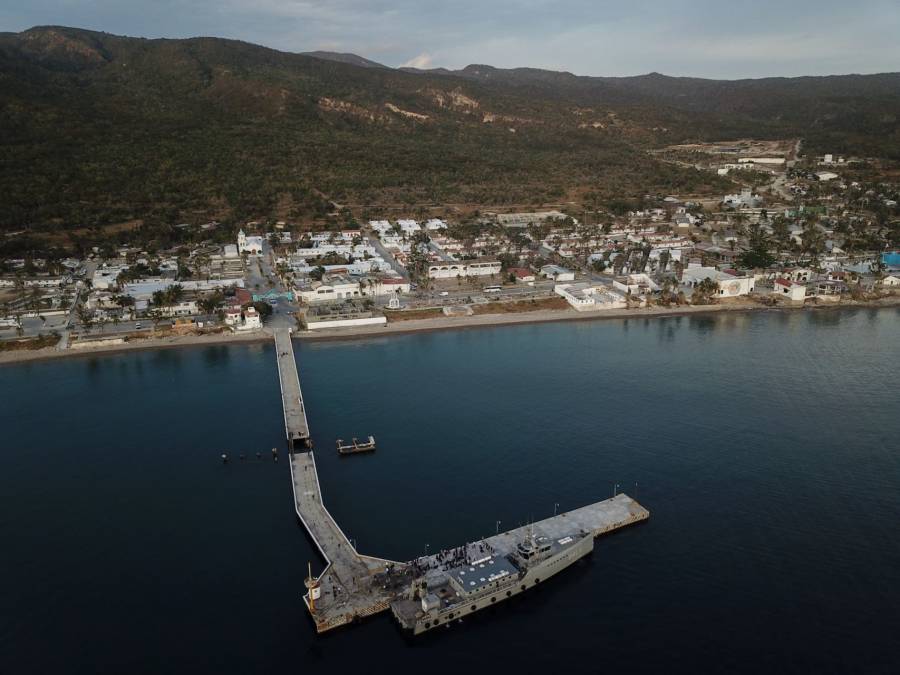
143 289
825 176
104 277
468 268
385 286
232 316
584 297
636 284
335 288
790 290
730 285
252 320
252 245
183 308
408 226
745 199
380 226
775 161
557 273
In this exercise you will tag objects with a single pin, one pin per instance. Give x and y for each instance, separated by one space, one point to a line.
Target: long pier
353 586
296 426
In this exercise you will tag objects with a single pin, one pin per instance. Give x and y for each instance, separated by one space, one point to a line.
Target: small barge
355 446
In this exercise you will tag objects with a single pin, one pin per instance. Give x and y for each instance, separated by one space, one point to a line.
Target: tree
208 303
781 232
705 292
664 257
264 309
85 317
156 316
758 255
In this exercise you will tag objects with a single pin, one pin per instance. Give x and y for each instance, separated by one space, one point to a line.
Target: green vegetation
101 130
705 292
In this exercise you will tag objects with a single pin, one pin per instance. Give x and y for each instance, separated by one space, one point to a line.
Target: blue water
766 446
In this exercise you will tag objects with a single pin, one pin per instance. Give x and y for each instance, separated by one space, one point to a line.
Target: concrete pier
353 586
295 425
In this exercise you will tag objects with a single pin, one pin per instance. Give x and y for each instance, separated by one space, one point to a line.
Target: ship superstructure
458 584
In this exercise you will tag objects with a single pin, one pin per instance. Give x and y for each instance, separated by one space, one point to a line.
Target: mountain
352 59
102 129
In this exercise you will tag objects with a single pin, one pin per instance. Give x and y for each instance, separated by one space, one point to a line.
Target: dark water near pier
766 446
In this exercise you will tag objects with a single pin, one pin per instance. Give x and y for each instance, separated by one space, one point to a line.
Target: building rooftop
476 576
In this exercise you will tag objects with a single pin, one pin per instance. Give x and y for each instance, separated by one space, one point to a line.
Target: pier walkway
355 586
295 425
351 584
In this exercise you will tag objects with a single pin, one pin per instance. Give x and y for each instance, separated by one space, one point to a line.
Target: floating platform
355 446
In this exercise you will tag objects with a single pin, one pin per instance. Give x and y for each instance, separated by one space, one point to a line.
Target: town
799 231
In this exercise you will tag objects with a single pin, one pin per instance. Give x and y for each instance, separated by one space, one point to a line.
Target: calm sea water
766 446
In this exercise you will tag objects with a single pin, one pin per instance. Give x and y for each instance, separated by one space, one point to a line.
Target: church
252 245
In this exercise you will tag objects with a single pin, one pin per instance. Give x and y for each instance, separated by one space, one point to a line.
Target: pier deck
352 585
295 425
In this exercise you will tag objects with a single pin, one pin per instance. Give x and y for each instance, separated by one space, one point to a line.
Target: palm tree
85 317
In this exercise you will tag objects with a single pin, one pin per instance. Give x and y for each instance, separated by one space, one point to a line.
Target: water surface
765 446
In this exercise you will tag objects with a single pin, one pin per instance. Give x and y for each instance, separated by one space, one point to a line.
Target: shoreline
426 326
566 315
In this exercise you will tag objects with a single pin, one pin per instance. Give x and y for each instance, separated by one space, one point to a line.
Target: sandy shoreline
426 325
180 341
555 316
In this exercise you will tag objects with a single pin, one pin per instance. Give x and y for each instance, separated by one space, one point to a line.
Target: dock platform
353 586
296 426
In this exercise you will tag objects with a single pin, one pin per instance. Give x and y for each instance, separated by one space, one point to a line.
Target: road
384 253
259 271
779 185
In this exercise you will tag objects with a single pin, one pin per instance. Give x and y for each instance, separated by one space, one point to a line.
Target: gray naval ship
458 582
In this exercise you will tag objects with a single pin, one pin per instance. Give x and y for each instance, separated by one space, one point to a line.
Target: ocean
765 445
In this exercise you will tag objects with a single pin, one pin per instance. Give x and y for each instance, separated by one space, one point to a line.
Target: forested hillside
101 129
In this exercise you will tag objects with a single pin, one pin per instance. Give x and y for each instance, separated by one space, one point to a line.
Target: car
137 326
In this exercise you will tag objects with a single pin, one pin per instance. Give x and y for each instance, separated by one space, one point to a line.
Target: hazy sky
706 38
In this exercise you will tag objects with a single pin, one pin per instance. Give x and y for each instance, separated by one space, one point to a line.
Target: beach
430 324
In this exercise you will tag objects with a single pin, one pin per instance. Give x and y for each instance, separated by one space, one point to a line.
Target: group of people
454 557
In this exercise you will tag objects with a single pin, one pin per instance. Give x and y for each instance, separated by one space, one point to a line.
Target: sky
704 38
